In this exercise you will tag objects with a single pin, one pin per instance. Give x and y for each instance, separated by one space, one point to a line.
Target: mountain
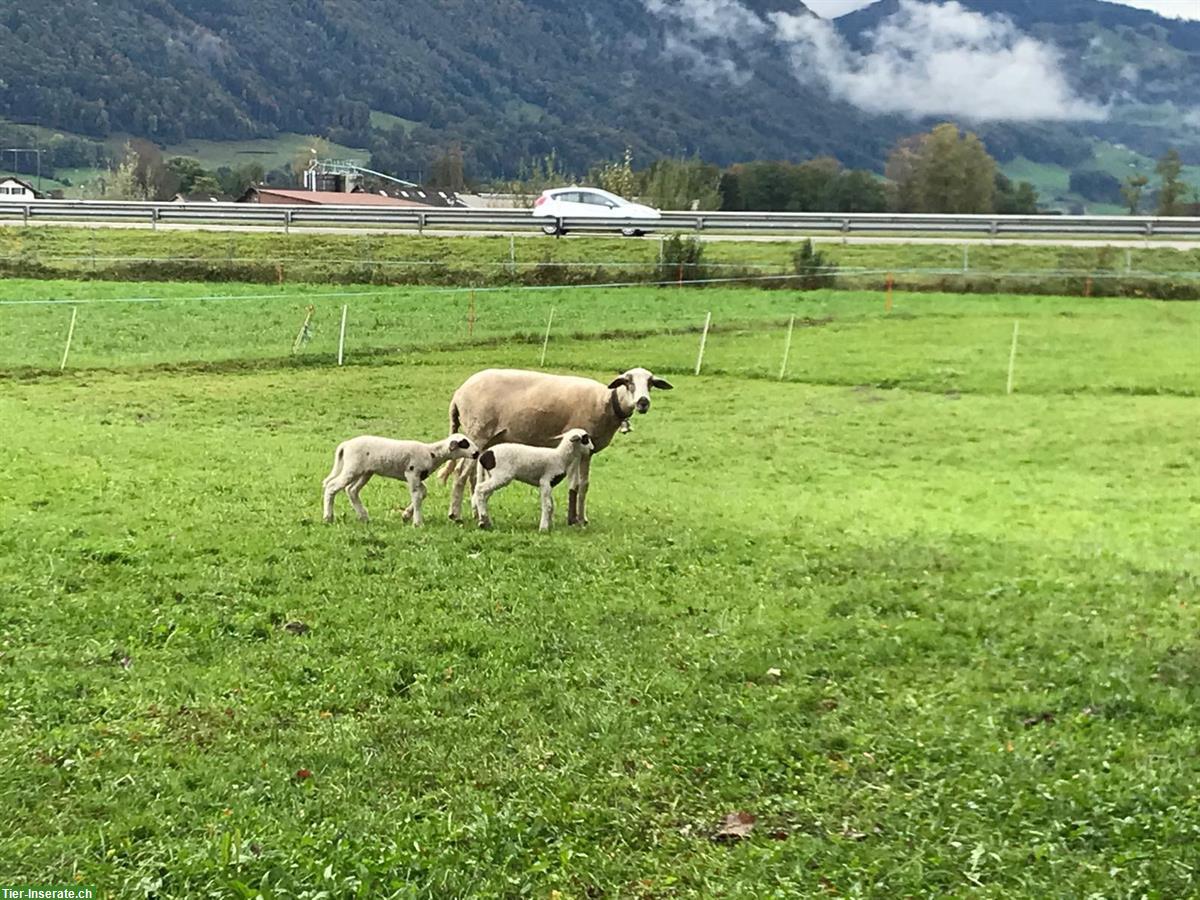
1145 69
510 80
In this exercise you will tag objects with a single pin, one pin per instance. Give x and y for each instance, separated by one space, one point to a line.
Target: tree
120 182
1015 200
447 172
188 171
616 177
858 191
1132 190
1173 190
680 184
943 171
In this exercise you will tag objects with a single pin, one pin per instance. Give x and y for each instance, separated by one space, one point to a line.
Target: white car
589 203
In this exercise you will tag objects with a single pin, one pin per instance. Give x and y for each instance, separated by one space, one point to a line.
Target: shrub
681 259
816 270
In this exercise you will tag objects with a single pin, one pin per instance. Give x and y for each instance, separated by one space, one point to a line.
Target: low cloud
725 20
932 59
927 59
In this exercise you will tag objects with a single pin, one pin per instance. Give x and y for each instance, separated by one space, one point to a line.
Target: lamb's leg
331 486
547 506
461 476
417 488
585 466
479 498
573 501
352 490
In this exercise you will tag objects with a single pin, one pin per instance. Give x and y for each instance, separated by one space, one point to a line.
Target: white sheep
535 408
356 460
542 467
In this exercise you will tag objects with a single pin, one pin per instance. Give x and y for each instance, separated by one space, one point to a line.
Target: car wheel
632 232
551 230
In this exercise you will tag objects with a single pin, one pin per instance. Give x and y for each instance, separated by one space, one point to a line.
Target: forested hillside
512 80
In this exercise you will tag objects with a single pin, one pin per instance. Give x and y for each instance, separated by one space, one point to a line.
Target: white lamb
356 460
542 467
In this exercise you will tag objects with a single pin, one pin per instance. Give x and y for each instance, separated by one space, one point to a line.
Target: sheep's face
462 447
580 440
639 382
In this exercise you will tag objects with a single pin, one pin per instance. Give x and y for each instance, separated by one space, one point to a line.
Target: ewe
536 408
356 460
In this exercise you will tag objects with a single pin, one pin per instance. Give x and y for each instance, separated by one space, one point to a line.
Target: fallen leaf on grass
303 774
1038 719
779 834
734 827
774 673
296 628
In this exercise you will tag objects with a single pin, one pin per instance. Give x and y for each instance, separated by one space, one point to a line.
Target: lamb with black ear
356 460
535 408
543 467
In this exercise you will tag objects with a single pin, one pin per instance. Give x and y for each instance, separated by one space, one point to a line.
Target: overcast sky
1180 9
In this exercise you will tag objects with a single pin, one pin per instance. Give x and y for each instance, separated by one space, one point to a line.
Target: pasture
937 639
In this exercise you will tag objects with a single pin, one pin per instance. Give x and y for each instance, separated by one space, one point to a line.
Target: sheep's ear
619 382
662 384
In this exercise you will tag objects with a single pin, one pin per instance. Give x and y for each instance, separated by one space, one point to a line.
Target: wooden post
1128 260
787 348
1087 287
471 316
546 339
70 335
966 258
887 301
512 257
680 276
1012 358
342 335
703 342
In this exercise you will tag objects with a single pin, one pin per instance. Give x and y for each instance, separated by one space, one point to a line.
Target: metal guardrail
522 220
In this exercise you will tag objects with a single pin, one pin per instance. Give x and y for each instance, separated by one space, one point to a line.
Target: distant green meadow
936 639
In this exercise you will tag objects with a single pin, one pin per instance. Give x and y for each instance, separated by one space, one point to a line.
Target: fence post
471 316
1128 260
703 342
342 335
70 335
887 301
966 258
787 348
512 254
1012 358
93 250
546 339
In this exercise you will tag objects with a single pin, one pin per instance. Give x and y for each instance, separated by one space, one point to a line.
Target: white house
16 189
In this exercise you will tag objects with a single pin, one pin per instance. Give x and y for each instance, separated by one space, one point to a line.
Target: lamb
356 460
535 408
543 467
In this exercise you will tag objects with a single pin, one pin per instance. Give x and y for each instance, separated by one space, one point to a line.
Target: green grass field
939 640
138 255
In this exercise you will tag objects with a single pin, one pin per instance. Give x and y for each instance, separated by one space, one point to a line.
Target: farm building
414 197
15 189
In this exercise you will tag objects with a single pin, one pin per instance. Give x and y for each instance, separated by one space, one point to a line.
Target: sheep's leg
547 506
465 471
418 490
479 498
352 490
585 466
330 487
572 503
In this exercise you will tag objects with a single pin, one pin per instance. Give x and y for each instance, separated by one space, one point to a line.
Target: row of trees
941 171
